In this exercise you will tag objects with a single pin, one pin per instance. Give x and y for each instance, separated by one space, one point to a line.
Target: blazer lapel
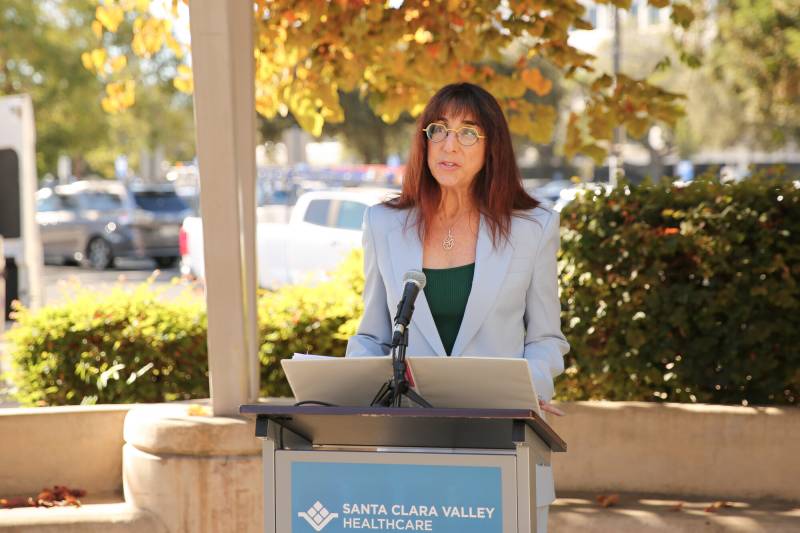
491 267
406 254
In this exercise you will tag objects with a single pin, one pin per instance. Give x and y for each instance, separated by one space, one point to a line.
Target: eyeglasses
466 135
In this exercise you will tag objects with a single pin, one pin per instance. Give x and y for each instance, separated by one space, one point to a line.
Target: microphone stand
392 392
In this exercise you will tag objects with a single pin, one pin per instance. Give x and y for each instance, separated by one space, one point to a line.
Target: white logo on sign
317 516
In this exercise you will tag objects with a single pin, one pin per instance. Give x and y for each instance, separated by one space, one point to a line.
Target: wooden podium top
407 426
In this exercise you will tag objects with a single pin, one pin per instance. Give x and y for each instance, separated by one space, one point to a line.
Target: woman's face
453 165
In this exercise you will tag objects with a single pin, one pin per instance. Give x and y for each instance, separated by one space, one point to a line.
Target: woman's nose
451 142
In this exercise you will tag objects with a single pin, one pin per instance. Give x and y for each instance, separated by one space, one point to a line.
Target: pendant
448 243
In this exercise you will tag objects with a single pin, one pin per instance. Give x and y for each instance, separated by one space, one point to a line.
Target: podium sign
383 469
346 492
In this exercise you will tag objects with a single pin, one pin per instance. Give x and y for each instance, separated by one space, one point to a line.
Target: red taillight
183 243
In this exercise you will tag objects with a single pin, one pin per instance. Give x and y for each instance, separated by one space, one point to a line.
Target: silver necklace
449 241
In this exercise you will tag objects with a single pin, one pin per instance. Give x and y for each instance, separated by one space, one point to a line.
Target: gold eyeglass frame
448 130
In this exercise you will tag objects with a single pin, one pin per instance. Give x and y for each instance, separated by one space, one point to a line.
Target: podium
378 469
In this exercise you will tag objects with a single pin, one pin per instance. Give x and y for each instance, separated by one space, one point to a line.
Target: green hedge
120 347
316 320
669 293
110 347
683 293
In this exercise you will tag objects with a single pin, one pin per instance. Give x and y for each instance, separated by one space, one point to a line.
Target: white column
224 107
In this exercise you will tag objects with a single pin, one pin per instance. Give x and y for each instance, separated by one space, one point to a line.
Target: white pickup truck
323 227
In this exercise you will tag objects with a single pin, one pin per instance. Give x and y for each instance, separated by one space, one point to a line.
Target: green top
447 291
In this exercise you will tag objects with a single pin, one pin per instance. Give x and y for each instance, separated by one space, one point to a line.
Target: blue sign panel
348 497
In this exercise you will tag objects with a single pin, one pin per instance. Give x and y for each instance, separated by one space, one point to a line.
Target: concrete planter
198 474
711 451
202 474
77 446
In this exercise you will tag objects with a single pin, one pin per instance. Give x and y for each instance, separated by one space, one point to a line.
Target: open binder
445 382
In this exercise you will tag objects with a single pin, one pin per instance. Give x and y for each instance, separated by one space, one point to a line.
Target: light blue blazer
513 308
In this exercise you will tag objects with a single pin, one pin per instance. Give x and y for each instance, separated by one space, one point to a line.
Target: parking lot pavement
127 273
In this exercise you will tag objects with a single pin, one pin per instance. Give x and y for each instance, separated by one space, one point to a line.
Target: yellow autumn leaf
265 105
148 36
109 16
601 126
423 36
594 151
544 119
417 109
128 96
184 85
109 105
311 122
184 82
86 59
118 63
519 123
98 56
536 82
114 89
198 410
97 29
175 46
637 127
120 95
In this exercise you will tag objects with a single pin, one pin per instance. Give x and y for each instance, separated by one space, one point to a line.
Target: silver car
94 222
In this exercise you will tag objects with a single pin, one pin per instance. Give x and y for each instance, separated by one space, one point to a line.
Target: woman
487 248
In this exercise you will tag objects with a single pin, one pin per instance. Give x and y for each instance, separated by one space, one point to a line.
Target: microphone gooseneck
392 392
413 283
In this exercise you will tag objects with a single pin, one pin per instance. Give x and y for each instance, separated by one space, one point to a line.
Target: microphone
413 282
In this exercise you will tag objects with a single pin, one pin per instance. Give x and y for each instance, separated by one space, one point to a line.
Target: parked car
568 194
323 227
550 191
95 222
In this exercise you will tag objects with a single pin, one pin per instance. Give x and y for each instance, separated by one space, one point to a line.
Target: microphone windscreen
415 276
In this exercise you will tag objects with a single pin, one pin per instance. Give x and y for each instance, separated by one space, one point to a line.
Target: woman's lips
449 165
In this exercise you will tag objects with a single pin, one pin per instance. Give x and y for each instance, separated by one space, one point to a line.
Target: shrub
300 319
685 294
680 293
123 347
112 347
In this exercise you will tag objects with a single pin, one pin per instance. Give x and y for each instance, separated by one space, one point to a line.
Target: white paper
309 356
478 382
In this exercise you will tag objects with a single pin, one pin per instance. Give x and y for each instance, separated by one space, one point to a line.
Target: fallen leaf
608 500
58 496
714 507
198 410
13 503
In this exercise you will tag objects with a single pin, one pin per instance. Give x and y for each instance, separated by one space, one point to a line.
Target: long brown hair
496 190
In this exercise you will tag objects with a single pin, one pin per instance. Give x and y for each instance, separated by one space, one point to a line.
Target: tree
365 132
756 55
41 45
310 51
745 89
40 51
